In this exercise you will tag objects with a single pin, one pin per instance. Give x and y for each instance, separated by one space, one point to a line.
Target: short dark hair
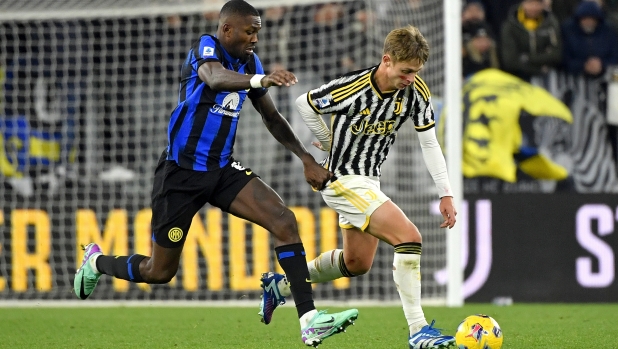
239 8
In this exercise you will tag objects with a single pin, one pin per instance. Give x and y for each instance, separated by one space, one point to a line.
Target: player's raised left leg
175 200
160 268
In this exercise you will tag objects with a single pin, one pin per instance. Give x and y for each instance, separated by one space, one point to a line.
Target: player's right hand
279 78
317 176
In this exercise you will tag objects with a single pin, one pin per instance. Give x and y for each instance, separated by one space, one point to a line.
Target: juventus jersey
365 121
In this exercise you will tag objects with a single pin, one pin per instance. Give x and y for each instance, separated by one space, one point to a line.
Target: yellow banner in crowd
493 103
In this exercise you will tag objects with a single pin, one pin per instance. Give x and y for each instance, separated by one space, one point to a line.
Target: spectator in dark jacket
590 45
479 48
531 41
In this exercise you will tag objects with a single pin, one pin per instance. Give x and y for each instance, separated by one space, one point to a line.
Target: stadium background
88 85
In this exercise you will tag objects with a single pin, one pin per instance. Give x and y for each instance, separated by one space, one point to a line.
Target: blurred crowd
570 48
531 37
528 39
99 77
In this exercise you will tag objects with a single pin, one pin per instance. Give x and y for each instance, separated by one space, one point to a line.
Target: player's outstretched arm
316 175
436 164
221 79
315 123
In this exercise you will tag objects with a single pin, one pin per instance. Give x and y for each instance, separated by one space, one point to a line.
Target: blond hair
406 44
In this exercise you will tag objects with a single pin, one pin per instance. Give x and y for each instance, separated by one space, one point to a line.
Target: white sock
326 267
93 262
407 276
304 320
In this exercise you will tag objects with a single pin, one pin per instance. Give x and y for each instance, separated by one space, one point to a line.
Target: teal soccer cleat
86 278
430 338
324 325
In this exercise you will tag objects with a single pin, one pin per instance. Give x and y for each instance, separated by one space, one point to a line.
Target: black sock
294 263
409 248
121 267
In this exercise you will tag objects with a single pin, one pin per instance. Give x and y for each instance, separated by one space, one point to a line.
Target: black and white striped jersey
365 121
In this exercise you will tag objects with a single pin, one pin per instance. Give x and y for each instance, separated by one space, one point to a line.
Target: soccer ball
479 332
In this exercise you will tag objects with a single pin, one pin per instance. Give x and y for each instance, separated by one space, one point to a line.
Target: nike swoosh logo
248 173
309 281
332 319
273 286
82 294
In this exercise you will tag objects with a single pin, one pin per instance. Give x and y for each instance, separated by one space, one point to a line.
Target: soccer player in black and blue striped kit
197 167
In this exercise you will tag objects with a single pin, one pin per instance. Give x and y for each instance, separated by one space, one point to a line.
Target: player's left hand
447 209
316 175
279 78
318 145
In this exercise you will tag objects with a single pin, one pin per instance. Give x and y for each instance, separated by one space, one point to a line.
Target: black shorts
179 193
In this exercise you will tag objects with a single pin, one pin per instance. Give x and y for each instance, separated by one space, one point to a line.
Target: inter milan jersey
365 121
202 128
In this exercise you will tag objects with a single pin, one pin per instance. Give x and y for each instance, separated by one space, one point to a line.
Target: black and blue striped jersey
202 128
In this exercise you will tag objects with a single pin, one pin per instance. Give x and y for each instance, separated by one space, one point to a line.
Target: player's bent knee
358 266
411 234
285 227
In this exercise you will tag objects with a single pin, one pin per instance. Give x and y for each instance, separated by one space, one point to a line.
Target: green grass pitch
525 326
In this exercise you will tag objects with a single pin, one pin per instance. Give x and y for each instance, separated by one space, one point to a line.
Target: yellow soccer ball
479 332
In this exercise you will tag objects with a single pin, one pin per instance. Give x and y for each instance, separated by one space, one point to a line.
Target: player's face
244 36
402 74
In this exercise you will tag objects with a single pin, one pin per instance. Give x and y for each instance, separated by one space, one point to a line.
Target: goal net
86 92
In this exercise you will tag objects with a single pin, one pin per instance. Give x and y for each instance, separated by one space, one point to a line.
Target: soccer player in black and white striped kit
368 107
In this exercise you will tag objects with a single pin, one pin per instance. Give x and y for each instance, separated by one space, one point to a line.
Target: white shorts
355 198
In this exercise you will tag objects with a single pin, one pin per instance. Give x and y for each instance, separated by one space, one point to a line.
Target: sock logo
175 234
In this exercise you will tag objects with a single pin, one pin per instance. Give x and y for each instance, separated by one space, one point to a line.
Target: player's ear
386 59
226 28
